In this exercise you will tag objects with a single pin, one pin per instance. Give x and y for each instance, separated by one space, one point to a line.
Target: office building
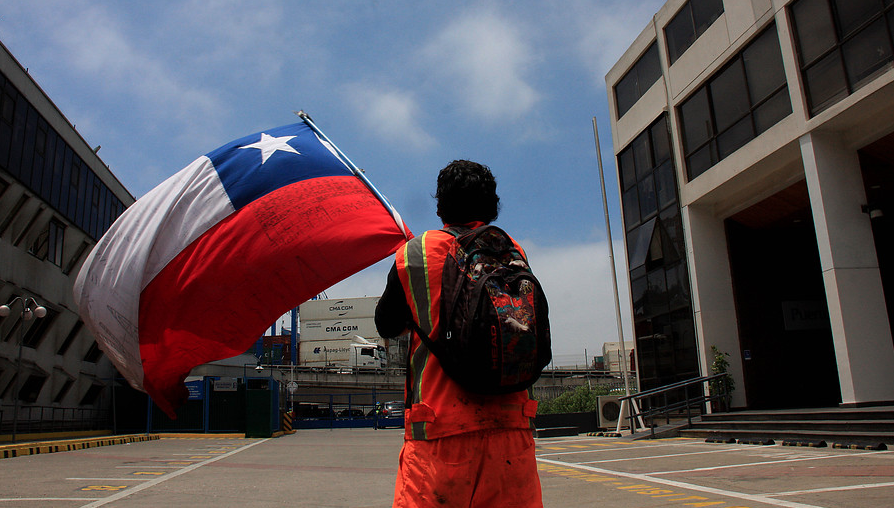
753 141
56 199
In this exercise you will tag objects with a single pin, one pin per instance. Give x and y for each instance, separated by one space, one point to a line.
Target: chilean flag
200 266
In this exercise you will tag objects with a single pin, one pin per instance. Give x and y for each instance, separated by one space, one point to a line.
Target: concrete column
859 318
712 294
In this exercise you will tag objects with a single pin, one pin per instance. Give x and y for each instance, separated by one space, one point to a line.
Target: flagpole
354 169
611 258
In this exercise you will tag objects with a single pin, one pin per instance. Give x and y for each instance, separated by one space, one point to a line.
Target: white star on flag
269 144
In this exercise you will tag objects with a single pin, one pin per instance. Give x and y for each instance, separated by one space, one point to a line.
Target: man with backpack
479 339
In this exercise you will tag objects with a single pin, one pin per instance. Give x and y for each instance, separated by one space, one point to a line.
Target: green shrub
581 399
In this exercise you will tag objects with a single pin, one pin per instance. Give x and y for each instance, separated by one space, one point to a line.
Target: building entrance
785 337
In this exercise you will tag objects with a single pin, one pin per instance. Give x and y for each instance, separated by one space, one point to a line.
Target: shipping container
335 329
345 308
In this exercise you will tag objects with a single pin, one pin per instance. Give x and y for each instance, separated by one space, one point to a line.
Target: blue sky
402 87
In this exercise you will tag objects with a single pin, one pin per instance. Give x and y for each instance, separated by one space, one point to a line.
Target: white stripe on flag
150 233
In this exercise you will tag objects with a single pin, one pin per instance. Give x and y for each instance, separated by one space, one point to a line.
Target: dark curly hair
467 192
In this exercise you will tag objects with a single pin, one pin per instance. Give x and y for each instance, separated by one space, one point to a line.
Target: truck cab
368 355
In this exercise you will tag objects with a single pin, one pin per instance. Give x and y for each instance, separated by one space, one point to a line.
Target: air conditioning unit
609 410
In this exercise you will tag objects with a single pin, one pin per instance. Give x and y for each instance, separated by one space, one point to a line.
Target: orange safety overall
460 448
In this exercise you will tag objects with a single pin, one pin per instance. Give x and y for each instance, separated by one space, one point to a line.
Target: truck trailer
348 353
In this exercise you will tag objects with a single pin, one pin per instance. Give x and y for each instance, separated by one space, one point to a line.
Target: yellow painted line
156 481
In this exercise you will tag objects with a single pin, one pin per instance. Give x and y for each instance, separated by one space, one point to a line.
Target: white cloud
604 31
92 41
482 59
253 41
390 115
577 282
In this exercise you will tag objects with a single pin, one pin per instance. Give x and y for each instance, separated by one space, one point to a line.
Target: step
556 431
882 426
885 413
857 437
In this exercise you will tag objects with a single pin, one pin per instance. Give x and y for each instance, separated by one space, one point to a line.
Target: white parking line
650 457
749 464
161 479
625 448
831 489
687 486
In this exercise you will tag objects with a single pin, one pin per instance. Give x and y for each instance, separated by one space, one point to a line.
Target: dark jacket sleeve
392 312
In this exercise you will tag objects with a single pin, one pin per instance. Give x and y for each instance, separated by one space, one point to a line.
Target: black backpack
494 326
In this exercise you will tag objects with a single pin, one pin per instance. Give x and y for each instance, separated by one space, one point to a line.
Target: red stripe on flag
221 293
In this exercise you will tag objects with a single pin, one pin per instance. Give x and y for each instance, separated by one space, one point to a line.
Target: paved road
356 467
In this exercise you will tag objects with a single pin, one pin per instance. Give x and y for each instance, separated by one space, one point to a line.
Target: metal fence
544 390
325 410
33 419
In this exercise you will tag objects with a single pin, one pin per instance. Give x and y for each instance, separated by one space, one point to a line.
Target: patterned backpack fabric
494 328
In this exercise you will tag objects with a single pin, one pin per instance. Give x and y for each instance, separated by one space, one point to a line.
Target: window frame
703 151
814 73
685 18
32 379
641 81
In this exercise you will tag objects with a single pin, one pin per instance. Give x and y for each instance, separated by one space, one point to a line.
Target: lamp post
30 309
258 368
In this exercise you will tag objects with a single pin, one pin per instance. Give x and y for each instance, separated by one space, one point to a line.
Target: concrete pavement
357 467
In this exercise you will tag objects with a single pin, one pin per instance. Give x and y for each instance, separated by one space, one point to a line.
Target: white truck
345 354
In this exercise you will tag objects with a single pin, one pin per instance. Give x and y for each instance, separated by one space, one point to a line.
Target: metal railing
677 398
36 419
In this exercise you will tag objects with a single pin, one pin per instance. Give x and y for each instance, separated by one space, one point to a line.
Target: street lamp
30 309
258 368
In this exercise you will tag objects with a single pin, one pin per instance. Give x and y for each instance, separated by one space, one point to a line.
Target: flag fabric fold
198 268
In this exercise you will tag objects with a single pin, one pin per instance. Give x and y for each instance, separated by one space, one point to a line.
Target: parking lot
357 467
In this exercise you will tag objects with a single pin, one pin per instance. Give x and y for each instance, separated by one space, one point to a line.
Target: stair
556 432
843 427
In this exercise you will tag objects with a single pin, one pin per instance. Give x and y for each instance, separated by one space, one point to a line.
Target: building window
56 240
9 387
31 389
60 395
38 330
34 153
690 22
48 245
742 100
93 354
842 44
92 396
70 337
644 73
646 169
659 281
